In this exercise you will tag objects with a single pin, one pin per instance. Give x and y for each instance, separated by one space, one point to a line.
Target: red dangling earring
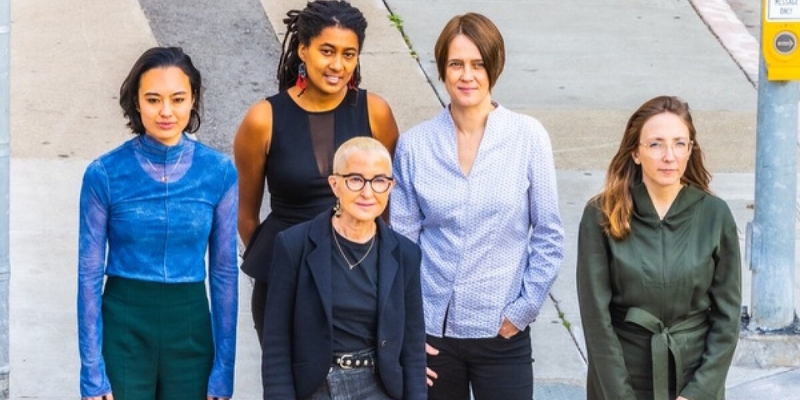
352 84
301 77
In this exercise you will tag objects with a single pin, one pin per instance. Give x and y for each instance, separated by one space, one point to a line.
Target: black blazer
297 343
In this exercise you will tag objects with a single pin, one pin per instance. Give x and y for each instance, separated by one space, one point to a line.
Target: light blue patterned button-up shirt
492 241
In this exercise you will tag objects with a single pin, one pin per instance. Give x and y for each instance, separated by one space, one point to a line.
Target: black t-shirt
355 294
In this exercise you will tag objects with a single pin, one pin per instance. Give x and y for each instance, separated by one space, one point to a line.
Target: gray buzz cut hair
356 145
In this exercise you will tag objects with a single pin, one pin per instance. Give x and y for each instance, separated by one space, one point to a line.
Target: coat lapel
318 261
387 264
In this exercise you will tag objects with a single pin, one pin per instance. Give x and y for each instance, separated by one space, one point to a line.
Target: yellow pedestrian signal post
771 234
780 30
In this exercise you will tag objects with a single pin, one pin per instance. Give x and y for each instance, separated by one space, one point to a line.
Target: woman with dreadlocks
319 106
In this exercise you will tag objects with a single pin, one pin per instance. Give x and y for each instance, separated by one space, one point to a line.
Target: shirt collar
155 150
644 208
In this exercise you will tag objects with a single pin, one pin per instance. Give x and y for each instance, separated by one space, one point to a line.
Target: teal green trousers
157 340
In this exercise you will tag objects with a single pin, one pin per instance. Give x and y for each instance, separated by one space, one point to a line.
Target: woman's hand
431 351
681 398
507 330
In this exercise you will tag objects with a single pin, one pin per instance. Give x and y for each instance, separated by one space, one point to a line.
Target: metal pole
772 232
5 155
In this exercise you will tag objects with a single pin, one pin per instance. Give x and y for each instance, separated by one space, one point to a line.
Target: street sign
783 10
780 29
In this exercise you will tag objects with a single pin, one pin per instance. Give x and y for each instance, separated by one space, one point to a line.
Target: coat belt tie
662 344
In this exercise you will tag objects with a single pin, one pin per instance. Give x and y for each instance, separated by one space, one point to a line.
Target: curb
722 21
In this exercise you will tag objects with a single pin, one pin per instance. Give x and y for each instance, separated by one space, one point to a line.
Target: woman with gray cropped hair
344 309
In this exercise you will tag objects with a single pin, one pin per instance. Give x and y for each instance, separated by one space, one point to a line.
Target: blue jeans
496 368
351 384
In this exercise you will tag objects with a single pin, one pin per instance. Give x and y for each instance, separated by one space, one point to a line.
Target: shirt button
383 344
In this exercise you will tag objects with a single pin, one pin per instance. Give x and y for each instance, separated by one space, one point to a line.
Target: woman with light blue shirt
476 189
156 214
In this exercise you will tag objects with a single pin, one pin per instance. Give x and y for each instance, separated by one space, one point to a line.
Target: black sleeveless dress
299 162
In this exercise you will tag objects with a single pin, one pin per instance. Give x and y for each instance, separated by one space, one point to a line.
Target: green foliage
397 21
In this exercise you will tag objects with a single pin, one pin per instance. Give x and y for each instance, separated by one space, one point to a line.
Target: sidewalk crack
568 325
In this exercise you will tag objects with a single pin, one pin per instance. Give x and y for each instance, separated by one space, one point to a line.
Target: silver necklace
339 246
164 174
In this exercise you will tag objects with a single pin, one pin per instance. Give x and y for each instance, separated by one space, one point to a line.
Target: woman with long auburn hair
658 274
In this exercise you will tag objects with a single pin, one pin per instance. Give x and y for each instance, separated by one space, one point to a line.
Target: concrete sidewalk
579 67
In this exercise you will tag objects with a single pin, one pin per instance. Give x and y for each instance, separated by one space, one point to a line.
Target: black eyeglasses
356 182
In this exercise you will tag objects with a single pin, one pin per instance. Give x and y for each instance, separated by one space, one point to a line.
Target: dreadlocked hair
302 26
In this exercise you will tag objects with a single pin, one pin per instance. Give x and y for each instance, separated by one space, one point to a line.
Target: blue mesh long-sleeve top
150 212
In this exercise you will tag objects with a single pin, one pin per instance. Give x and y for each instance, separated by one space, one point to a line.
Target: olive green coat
668 294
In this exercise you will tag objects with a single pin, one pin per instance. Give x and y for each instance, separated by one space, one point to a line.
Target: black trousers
496 368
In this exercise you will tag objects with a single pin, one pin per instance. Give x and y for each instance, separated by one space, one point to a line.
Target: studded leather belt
355 360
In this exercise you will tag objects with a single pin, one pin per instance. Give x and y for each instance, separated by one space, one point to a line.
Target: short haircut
159 57
483 33
358 144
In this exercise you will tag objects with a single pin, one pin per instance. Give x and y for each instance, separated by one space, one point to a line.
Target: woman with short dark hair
150 211
476 189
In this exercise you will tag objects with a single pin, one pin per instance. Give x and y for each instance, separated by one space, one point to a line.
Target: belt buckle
346 361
